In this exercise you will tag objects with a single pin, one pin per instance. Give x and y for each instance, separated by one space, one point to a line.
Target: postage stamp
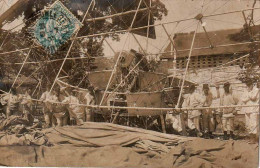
55 27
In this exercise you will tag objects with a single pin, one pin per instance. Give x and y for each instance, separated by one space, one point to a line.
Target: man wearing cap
228 99
251 97
194 100
26 105
48 98
76 112
60 112
207 116
86 98
10 102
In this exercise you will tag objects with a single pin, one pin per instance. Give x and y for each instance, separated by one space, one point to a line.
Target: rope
187 66
149 108
71 45
20 69
117 61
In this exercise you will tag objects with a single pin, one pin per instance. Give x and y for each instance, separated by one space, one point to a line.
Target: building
227 45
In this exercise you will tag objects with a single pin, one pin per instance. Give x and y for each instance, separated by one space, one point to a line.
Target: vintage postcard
129 83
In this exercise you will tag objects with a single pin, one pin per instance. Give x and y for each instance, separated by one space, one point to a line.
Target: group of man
65 106
61 107
17 104
200 118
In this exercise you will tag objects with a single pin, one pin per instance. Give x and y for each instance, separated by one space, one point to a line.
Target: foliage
88 47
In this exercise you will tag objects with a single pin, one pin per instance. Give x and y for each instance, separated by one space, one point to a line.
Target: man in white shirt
194 100
207 115
60 112
10 102
75 111
26 105
228 99
86 98
48 98
251 97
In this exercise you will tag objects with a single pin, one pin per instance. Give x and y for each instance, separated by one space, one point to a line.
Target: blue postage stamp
55 27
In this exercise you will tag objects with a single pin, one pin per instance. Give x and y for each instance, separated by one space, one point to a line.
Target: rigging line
182 30
90 5
115 66
121 31
28 77
207 6
220 7
187 66
20 70
115 11
224 21
148 28
129 73
235 60
42 69
54 60
200 48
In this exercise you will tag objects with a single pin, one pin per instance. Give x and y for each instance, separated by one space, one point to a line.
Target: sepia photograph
130 83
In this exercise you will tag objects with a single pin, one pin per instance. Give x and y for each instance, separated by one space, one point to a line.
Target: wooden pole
183 81
115 66
71 45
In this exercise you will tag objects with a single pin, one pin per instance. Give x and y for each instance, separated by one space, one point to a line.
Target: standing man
26 105
227 99
10 102
207 116
60 113
194 100
75 111
89 100
47 98
251 97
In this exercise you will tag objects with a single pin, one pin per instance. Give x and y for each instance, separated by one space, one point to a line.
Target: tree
90 47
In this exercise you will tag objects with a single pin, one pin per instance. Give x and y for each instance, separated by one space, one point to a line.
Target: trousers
252 122
194 123
207 121
228 123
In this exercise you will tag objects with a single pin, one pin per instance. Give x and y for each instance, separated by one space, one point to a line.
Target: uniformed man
228 99
26 105
47 98
207 115
85 97
251 97
76 112
60 112
10 102
194 100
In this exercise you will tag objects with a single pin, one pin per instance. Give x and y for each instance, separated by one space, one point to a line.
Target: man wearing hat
227 99
207 116
194 100
251 97
76 111
48 99
60 112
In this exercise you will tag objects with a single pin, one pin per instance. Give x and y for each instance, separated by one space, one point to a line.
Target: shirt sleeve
43 97
186 102
200 99
254 95
66 100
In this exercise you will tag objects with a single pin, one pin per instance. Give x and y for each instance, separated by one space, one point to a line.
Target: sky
177 10
182 9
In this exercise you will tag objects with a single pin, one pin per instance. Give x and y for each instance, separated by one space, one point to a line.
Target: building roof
220 37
